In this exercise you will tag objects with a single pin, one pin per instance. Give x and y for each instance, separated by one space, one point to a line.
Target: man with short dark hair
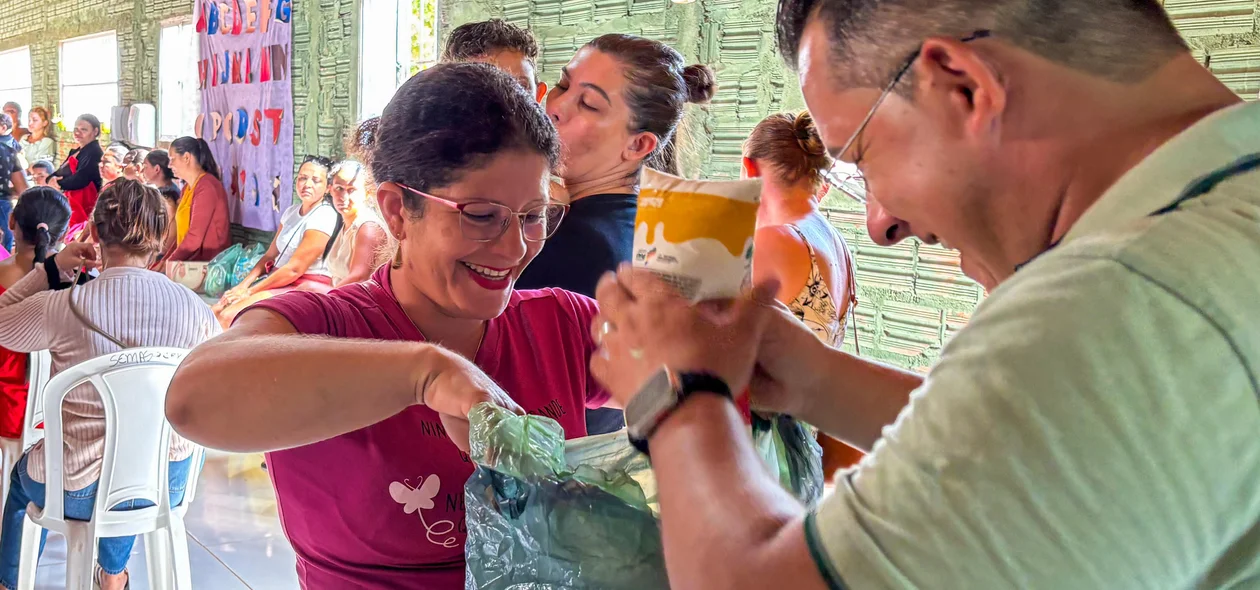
500 44
1096 425
12 178
14 110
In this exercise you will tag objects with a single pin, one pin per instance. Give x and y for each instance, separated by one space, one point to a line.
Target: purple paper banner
247 103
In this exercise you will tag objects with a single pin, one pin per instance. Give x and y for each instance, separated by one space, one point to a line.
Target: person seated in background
500 44
132 162
297 256
39 219
362 242
140 308
463 156
14 111
156 170
795 245
79 178
12 181
40 171
202 229
112 164
41 142
170 197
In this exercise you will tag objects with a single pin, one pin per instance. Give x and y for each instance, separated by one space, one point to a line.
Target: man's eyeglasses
483 221
850 184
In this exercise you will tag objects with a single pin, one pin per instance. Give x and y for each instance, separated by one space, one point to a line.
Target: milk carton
697 234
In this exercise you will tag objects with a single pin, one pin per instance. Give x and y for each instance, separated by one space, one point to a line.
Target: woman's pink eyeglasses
484 221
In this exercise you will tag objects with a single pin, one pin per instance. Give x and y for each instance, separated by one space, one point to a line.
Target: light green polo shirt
1097 425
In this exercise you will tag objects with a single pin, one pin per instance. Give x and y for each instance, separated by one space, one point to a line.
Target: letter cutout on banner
255 134
214 79
224 73
240 181
212 24
236 68
251 16
227 125
242 124
264 65
284 10
249 65
235 186
199 126
275 193
264 16
201 18
237 21
216 121
275 115
279 62
202 66
254 190
225 12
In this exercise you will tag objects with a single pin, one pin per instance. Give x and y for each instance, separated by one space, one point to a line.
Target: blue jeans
6 234
113 551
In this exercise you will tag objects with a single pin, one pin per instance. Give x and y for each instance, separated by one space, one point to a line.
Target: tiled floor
235 541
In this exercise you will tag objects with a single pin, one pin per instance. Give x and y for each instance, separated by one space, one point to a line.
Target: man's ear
542 91
750 168
972 90
640 146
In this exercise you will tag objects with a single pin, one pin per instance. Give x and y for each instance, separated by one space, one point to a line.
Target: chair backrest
132 384
39 371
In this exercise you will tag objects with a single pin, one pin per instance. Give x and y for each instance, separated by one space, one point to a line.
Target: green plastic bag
246 262
219 271
791 449
548 514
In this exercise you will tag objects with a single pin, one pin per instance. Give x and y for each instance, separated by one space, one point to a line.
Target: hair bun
701 83
361 143
807 135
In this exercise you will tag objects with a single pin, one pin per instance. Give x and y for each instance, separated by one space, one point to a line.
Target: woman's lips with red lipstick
487 277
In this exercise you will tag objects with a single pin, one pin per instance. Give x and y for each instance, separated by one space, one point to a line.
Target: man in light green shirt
1097 425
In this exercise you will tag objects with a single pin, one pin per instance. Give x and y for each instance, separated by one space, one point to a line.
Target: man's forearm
853 399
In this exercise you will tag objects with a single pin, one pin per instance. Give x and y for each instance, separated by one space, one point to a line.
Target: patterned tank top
814 305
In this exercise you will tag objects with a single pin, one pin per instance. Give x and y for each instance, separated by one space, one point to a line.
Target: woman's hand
76 255
231 296
451 385
54 182
644 325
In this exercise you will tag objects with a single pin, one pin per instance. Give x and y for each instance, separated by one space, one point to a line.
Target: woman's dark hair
792 147
132 216
162 160
91 119
449 119
170 192
41 216
200 151
660 85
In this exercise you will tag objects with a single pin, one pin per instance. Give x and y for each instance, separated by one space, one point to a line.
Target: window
89 76
15 78
179 99
387 59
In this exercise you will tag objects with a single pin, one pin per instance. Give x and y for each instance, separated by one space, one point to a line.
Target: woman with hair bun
616 108
202 229
794 243
125 306
373 381
39 219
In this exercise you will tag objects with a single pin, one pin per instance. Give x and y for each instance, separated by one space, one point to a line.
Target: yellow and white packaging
697 234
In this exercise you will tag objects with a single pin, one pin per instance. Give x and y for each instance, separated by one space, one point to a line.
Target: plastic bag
219 273
791 449
546 514
246 262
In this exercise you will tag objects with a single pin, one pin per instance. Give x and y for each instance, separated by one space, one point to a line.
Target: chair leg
180 570
29 559
157 552
80 560
12 450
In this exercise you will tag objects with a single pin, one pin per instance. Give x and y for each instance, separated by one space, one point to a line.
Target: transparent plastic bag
246 262
219 273
548 514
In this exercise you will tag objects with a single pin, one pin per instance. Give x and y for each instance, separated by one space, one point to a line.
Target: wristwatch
661 396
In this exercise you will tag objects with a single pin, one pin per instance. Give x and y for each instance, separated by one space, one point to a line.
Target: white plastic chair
132 385
38 370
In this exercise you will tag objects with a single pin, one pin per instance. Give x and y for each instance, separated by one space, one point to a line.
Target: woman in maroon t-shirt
370 488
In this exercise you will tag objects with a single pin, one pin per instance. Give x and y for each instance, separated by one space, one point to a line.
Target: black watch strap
688 384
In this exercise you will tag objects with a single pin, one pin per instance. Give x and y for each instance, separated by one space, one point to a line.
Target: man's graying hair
1119 40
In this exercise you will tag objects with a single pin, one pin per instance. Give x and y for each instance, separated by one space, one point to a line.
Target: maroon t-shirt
383 506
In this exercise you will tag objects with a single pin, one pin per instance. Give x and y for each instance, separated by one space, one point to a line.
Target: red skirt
13 374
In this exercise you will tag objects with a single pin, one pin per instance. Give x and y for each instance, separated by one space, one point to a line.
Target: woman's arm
781 255
261 386
89 171
368 242
308 251
24 305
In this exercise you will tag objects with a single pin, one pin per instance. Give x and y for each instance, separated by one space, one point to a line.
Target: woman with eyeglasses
297 256
362 242
371 484
795 244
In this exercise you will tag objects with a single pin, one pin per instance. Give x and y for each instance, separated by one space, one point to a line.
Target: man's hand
451 385
645 324
76 255
790 359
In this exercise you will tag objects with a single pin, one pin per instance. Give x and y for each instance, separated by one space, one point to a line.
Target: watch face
654 399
